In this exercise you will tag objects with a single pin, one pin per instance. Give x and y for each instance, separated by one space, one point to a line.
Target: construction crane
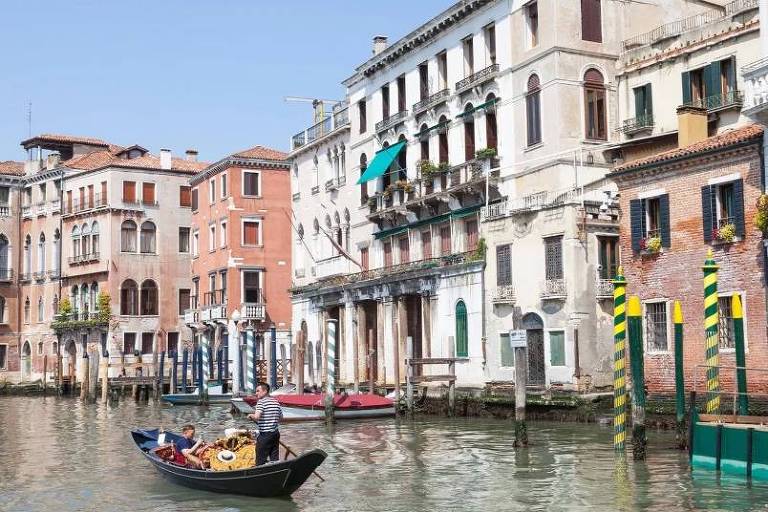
317 104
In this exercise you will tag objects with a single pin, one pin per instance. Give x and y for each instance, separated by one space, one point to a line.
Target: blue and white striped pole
206 354
233 348
250 361
331 363
273 358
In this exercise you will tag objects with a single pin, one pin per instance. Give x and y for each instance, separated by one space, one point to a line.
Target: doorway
26 362
534 328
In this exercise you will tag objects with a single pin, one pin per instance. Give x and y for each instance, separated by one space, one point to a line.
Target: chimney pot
191 155
165 158
53 160
379 44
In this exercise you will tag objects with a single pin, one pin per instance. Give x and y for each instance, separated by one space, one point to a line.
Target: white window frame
211 190
670 329
259 271
223 233
742 294
5 365
195 241
258 180
189 239
212 237
135 348
224 185
260 222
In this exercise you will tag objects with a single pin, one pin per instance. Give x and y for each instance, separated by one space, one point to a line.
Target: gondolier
267 416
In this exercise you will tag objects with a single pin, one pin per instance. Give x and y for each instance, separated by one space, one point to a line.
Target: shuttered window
251 232
557 348
129 342
643 103
649 218
193 201
148 193
147 340
250 183
426 244
553 257
445 240
469 136
388 254
503 265
361 111
472 237
594 101
591 21
533 110
185 196
184 295
404 250
129 191
364 258
462 339
90 196
491 132
722 205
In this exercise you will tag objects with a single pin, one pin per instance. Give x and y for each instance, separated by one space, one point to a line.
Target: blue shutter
636 222
666 235
707 212
738 207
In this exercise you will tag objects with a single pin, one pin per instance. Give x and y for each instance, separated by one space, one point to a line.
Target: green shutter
731 78
462 343
639 102
712 86
507 352
686 87
648 100
557 348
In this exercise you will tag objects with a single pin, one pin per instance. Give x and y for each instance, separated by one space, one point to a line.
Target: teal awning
456 214
381 162
487 104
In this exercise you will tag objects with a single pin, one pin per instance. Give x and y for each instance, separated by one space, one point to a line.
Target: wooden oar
288 449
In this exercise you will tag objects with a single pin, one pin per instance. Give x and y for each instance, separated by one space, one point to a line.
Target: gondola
311 407
273 479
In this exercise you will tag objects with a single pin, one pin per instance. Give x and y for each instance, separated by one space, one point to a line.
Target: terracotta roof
12 168
262 153
101 159
65 139
723 140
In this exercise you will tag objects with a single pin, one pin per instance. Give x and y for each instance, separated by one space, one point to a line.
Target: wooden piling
371 352
284 362
174 371
86 372
105 380
521 384
409 374
681 435
452 372
45 374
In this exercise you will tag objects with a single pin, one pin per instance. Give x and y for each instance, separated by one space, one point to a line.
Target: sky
204 74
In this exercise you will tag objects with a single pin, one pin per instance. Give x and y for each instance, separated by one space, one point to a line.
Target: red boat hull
317 401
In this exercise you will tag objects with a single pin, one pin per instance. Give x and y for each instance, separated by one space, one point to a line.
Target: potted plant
426 170
487 158
761 218
725 233
650 245
443 166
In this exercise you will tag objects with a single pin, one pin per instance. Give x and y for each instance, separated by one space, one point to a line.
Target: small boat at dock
215 396
311 407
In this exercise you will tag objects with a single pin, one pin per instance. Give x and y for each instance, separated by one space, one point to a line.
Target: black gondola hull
268 481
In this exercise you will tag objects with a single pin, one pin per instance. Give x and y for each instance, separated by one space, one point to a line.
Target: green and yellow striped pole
741 360
681 434
637 363
711 326
619 361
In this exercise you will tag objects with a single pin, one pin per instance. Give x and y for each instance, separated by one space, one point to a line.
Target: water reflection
62 455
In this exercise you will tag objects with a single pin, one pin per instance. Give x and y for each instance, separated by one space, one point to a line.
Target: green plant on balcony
63 321
65 307
726 233
426 169
372 202
761 218
479 253
387 192
443 166
651 245
485 154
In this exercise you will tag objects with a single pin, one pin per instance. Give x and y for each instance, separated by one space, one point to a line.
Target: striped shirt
271 414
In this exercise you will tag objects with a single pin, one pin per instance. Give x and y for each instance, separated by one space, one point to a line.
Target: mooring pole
711 334
184 364
200 378
86 373
409 374
161 379
250 361
331 325
521 383
639 439
681 433
93 376
273 357
619 361
371 352
194 366
205 366
233 347
741 360
174 371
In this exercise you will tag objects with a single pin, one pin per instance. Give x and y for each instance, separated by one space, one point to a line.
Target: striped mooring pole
619 361
741 360
681 433
205 351
250 360
711 327
637 363
331 384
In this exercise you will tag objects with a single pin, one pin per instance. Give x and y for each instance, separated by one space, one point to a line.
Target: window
184 240
193 200
127 236
27 311
442 139
553 258
148 194
656 326
251 287
3 319
491 130
469 133
129 191
363 186
148 238
251 232
462 339
212 190
94 238
507 353
40 310
424 142
591 22
251 183
82 198
423 81
712 86
103 200
173 342
503 265
90 195
608 256
722 206
385 101
401 93
490 43
469 57
211 237
75 242
129 342
129 298
223 280
404 249
470 228
5 257
184 295
726 339
223 233
532 23
69 201
556 348
594 100
28 252
643 105
147 342
388 253
649 218
196 243
41 253
185 196
442 70
363 117
445 239
533 110
426 244
148 298
224 185
364 258
85 238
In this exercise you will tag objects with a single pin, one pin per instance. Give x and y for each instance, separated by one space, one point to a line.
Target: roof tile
262 153
12 168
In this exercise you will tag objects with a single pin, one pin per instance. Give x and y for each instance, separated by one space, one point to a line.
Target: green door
462 343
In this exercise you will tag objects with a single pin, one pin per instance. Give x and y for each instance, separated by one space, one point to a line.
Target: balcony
391 121
335 183
54 274
603 288
214 298
5 211
191 316
431 101
213 313
756 88
253 311
54 206
6 274
553 289
25 277
637 124
40 209
39 276
338 119
478 78
84 258
299 273
718 102
332 266
504 295
296 196
26 212
77 206
494 211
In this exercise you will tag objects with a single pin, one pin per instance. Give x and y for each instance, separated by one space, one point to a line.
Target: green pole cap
709 264
619 280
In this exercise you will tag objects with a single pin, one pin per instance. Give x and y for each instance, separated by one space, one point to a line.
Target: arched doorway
310 362
26 362
70 362
534 328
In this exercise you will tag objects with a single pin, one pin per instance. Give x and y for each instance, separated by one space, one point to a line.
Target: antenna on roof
318 105
29 119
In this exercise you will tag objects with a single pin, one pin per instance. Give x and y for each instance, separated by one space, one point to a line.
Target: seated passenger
188 446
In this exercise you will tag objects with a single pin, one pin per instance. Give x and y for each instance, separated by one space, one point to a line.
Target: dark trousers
267 446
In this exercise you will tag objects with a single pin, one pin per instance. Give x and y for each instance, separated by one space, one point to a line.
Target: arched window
76 241
5 258
148 298
54 348
39 348
128 236
85 239
28 255
533 110
95 238
57 252
443 139
55 303
41 253
40 309
424 142
148 238
469 133
491 129
363 186
462 340
94 297
74 298
129 298
594 101
26 311
85 301
402 160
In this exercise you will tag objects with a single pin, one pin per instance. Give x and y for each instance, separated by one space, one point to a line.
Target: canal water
60 455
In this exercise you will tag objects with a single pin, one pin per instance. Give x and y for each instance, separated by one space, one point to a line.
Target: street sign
518 338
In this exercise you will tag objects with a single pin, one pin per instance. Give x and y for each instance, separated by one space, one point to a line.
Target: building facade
11 175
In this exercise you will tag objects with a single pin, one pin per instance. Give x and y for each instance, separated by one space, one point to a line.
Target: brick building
687 200
11 174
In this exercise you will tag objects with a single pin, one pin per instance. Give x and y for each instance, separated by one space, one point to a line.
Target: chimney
191 155
165 158
691 125
53 160
379 44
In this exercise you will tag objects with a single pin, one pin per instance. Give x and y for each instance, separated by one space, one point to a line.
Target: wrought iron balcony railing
553 289
730 99
338 119
478 78
504 294
603 288
431 101
636 124
391 121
